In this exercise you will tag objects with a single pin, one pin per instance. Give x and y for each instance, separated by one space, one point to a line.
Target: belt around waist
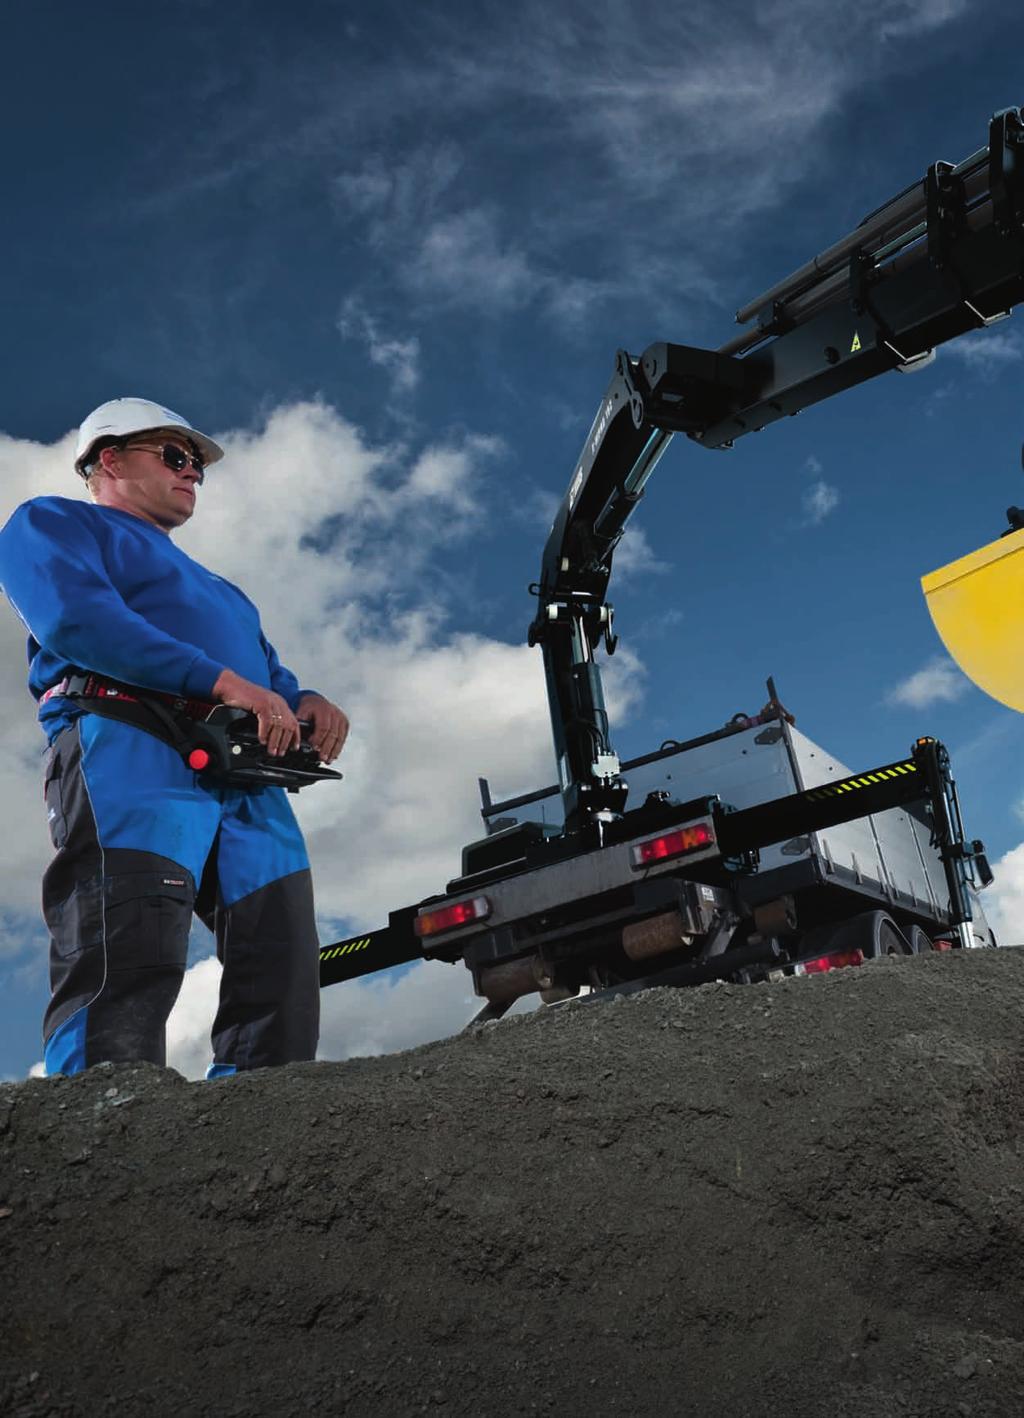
95 687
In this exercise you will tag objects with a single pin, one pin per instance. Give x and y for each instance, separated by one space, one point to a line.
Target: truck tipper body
885 859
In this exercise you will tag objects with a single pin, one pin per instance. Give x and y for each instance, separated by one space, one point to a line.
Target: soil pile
801 1199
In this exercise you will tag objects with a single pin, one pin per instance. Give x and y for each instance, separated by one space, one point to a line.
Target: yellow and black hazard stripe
865 780
394 944
332 952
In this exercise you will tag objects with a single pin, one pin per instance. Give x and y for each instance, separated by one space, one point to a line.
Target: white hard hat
119 418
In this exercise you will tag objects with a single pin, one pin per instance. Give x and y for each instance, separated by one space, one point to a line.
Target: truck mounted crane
679 885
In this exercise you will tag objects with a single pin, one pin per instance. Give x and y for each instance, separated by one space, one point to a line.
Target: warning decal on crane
393 944
335 950
856 342
830 790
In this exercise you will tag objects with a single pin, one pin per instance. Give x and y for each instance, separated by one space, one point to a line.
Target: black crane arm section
944 257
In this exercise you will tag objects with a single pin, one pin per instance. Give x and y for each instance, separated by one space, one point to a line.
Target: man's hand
278 726
329 725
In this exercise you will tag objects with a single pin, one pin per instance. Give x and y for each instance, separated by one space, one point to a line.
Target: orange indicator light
449 917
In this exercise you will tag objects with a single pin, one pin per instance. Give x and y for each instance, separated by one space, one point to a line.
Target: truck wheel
920 941
875 933
887 937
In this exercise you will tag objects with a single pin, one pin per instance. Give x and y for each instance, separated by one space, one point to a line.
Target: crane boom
943 257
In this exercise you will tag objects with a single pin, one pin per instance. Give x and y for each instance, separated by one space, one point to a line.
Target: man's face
140 481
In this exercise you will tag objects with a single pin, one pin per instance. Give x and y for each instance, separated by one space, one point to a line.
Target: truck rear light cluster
449 917
673 844
836 961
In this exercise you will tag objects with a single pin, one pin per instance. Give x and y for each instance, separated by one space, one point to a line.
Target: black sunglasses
171 456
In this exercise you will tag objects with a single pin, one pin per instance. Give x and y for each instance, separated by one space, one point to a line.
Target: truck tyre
875 933
920 941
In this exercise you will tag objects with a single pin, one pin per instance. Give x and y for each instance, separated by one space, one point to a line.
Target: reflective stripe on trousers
140 844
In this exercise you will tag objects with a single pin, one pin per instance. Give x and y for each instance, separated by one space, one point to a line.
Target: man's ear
109 459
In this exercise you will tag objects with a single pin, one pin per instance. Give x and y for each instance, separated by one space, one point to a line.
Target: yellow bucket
977 604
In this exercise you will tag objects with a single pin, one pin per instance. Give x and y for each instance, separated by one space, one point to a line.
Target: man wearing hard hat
141 839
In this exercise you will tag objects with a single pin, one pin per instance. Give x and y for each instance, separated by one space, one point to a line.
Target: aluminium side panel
854 846
743 769
890 850
889 853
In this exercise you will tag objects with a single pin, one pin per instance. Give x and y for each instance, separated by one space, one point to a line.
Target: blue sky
388 254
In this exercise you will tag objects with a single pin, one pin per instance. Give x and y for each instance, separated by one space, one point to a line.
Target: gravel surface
800 1199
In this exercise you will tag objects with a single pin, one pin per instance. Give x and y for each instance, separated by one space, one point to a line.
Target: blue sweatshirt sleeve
52 572
282 681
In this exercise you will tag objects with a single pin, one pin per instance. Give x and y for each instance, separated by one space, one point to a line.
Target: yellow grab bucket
977 604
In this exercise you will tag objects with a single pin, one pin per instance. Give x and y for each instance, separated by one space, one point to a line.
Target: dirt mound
799 1199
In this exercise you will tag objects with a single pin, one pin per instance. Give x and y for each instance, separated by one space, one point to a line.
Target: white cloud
624 679
999 734
381 1014
445 474
903 18
659 626
602 147
399 357
612 147
818 501
445 250
820 498
364 621
22 928
938 682
650 121
463 260
987 352
1004 899
569 82
188 1029
399 197
938 400
573 298
537 508
634 556
364 193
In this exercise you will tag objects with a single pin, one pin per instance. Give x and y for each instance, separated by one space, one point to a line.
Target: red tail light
835 961
446 919
673 844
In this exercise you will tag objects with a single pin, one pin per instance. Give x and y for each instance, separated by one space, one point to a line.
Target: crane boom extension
942 258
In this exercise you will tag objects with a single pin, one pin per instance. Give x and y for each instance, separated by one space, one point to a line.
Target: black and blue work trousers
142 843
